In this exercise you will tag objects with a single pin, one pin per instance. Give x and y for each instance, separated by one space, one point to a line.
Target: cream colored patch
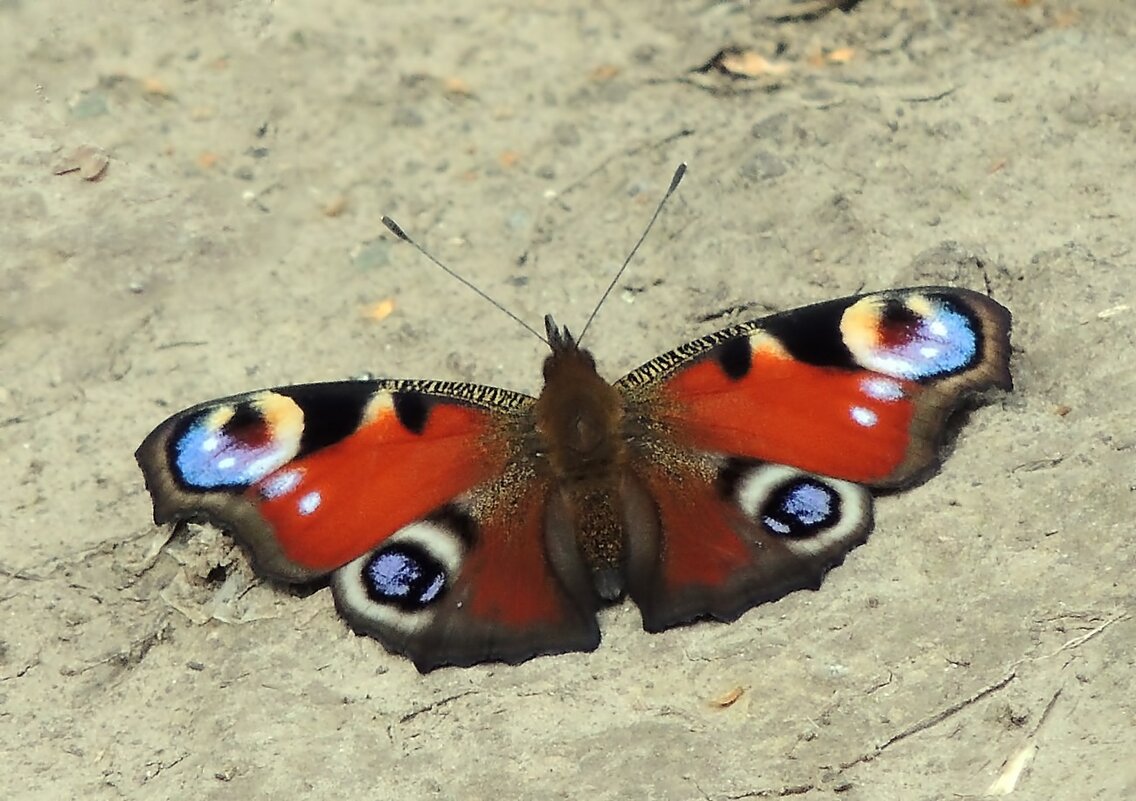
379 406
438 540
765 344
921 305
284 417
860 326
216 419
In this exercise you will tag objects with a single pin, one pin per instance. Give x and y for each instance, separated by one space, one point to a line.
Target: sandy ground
234 242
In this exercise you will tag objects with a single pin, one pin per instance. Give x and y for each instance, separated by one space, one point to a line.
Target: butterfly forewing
856 388
310 477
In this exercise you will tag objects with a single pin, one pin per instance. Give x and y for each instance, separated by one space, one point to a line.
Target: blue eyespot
801 508
236 454
921 347
404 575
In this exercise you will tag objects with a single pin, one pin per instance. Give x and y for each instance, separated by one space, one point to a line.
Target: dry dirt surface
191 206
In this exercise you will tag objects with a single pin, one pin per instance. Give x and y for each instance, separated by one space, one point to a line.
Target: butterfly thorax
579 417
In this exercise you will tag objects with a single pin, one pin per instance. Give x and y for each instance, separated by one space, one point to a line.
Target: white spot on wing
309 503
865 417
928 352
883 389
226 463
281 484
776 525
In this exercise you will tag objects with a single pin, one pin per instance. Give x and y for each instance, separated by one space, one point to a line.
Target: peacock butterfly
462 523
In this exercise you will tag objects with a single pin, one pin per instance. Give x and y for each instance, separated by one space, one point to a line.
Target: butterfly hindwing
474 583
310 477
728 534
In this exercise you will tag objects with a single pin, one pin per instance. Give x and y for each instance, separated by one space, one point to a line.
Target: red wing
719 537
311 477
410 492
474 583
857 388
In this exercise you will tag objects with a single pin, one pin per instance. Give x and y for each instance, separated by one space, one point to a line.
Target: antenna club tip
395 228
679 173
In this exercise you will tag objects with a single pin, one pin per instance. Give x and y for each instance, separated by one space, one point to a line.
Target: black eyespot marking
812 335
245 417
730 475
800 508
898 322
457 523
735 357
405 576
896 312
329 416
412 410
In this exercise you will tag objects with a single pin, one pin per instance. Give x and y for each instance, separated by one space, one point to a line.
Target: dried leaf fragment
741 63
728 698
156 87
458 87
335 206
604 72
1011 774
377 312
841 55
89 162
820 57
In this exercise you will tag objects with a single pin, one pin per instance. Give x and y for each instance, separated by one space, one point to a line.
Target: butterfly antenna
396 229
675 181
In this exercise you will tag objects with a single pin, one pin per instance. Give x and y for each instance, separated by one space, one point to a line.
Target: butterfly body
582 451
463 523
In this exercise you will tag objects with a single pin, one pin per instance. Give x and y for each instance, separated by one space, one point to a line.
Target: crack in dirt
127 657
947 712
